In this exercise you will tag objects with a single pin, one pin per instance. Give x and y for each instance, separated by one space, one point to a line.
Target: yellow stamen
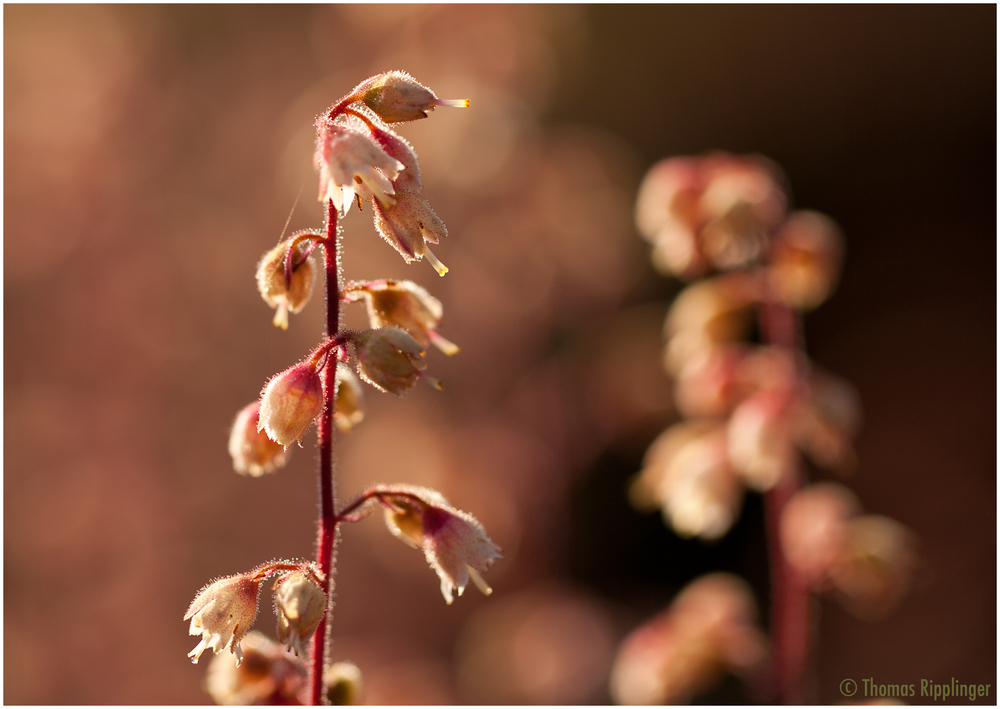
433 261
478 580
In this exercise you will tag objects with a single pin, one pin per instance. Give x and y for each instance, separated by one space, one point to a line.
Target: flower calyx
396 97
390 359
290 402
403 304
286 274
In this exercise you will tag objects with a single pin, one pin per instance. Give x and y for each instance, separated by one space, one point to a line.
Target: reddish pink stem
327 535
790 622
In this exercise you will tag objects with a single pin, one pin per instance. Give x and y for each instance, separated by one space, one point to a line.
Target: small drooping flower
688 476
805 260
290 402
406 305
281 294
222 612
814 529
409 224
390 359
706 313
708 629
253 453
300 603
396 97
268 675
345 158
454 542
828 420
876 567
350 407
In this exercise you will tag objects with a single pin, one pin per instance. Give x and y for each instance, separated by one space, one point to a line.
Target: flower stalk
327 533
790 616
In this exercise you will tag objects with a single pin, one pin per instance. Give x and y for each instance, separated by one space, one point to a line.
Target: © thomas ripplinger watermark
925 689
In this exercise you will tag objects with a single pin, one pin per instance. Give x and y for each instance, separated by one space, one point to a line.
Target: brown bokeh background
152 155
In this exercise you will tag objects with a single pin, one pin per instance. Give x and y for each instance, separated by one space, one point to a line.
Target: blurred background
152 155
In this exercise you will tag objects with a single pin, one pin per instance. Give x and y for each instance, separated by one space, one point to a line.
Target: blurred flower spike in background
755 411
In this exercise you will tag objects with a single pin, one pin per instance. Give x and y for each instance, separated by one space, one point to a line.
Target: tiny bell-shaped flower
876 567
454 542
347 158
268 675
396 97
300 604
390 360
409 224
688 475
280 293
407 305
814 529
222 612
710 628
350 408
290 402
253 453
805 260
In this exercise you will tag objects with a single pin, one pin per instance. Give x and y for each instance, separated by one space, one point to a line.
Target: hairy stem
790 622
327 534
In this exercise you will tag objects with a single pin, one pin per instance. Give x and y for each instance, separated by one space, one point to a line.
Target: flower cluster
224 610
359 158
753 413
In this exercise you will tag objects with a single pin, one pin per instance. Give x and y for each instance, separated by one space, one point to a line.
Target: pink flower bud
285 297
350 408
814 529
290 402
805 260
390 359
406 305
253 453
409 224
346 158
396 147
397 97
222 612
454 542
300 603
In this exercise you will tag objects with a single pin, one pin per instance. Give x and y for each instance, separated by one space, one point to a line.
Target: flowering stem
790 622
327 535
